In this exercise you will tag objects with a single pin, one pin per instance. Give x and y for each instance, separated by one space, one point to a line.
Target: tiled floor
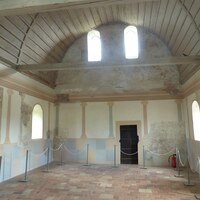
98 182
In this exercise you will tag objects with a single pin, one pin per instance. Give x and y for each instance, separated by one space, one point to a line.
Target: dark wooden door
129 144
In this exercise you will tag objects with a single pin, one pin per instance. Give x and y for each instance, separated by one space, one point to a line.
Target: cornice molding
26 85
143 96
29 89
191 86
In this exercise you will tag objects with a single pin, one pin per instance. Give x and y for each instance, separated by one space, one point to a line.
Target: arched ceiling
44 37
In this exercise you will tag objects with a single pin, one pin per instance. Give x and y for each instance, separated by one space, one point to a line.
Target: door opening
129 144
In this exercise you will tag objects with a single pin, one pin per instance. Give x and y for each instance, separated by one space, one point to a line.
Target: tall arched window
196 120
131 42
94 46
37 122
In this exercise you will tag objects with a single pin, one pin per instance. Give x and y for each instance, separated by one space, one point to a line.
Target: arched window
196 120
37 122
94 46
131 42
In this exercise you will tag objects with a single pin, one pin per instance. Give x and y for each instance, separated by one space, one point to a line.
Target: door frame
121 123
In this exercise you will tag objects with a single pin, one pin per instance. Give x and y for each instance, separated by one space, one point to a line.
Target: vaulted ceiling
41 32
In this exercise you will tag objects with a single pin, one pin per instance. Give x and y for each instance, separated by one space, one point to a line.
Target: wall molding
191 86
145 117
28 87
124 97
8 118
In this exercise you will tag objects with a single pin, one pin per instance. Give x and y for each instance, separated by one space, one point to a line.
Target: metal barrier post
197 196
87 154
47 164
115 164
178 164
26 168
87 159
48 159
143 167
61 155
188 173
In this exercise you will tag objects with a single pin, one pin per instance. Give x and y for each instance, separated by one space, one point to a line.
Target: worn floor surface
99 182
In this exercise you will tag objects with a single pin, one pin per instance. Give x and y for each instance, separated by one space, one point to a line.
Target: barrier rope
179 156
52 149
129 154
76 151
23 147
40 154
161 154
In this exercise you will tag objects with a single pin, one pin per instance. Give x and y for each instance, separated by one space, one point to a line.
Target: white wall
15 134
161 114
70 120
159 111
97 120
127 110
15 117
193 146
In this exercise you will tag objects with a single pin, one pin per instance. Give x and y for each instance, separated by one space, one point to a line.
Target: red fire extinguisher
172 160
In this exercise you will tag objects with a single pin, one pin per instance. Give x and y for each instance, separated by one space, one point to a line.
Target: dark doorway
128 144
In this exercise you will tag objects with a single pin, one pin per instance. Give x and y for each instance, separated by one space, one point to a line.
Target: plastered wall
193 146
96 128
15 132
119 80
98 123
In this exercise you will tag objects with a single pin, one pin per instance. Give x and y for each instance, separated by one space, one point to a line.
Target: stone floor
99 182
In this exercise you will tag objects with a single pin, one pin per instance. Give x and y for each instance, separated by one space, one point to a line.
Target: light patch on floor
50 198
145 190
106 196
28 191
74 180
105 185
159 172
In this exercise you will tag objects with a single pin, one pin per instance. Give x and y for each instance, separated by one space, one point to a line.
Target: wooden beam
7 63
102 65
20 7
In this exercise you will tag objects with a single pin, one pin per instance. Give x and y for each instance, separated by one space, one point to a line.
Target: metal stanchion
87 160
188 173
61 156
143 167
197 196
47 164
115 164
26 168
48 153
178 164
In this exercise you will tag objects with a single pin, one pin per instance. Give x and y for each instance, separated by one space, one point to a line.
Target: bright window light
196 120
131 42
94 46
37 122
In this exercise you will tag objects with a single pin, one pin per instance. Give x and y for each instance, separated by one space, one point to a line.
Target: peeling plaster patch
130 80
165 136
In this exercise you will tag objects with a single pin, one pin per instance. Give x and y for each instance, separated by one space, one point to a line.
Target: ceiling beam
182 60
20 7
7 63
